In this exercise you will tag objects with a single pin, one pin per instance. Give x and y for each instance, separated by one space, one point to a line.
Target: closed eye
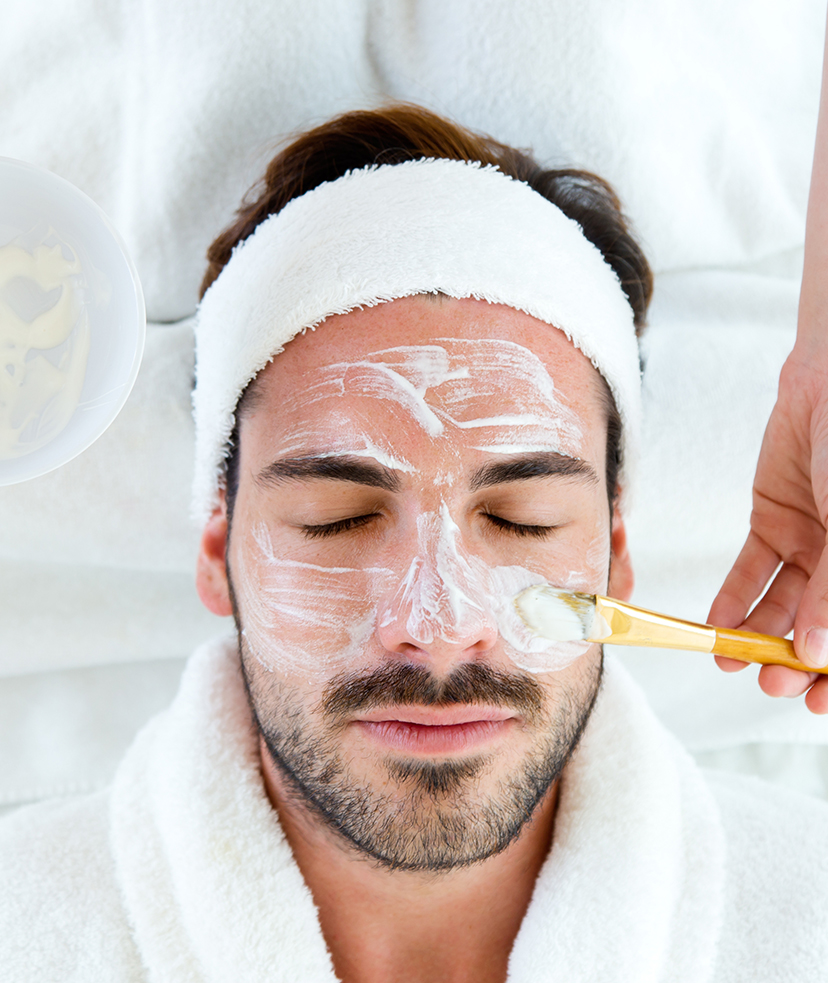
340 526
355 522
519 528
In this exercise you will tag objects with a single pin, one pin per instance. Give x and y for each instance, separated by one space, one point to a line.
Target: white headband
392 231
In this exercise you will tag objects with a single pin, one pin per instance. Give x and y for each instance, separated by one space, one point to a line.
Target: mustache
406 684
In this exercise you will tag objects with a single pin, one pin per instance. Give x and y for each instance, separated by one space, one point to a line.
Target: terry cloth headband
391 231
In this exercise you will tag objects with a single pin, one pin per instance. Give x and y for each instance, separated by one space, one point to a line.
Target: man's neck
384 926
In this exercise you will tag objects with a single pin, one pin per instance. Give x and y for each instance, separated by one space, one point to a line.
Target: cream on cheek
304 616
315 618
321 619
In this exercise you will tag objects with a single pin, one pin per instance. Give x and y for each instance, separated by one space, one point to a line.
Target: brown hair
404 132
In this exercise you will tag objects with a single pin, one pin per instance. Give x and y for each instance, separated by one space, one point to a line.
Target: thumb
811 626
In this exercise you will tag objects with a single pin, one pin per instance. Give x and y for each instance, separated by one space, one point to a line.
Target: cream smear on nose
319 618
44 345
442 593
451 595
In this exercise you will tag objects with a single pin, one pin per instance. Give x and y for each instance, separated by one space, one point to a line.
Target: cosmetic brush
569 616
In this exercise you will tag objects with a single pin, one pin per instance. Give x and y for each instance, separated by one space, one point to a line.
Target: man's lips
450 716
436 730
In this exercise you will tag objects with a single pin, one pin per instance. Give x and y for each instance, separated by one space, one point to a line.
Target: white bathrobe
180 871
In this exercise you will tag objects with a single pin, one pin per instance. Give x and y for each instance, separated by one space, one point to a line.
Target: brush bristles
556 614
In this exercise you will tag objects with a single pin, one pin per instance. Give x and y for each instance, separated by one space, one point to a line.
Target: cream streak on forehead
446 389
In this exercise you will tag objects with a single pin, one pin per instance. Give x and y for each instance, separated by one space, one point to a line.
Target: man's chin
423 815
437 818
493 756
438 784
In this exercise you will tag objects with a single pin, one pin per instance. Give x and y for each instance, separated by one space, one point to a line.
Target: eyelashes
340 526
330 529
518 528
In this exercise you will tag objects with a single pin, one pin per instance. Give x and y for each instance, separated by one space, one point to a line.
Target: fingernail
816 647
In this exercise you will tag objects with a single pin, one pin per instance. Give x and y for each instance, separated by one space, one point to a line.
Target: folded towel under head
393 231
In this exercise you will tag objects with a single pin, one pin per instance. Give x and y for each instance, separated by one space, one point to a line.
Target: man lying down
417 393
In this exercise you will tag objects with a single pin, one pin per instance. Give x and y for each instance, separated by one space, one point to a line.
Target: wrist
812 324
809 356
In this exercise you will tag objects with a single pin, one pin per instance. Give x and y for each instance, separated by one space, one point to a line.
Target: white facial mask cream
447 593
44 345
315 618
445 390
309 617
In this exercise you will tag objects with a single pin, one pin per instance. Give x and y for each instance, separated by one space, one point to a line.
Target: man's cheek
577 566
303 616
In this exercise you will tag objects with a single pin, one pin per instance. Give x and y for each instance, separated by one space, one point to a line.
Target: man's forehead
453 348
476 388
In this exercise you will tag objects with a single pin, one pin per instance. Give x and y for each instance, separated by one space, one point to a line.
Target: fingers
781 681
753 568
816 699
774 615
730 665
776 612
811 630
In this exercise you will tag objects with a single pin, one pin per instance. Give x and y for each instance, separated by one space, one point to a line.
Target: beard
426 816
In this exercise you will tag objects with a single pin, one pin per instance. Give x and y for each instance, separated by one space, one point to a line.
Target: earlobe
622 579
211 567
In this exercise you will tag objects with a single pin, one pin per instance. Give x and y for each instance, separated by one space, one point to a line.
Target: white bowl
106 313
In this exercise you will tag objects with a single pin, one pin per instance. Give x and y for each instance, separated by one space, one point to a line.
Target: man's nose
440 613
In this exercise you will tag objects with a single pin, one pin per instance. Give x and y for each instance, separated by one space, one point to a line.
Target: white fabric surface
182 869
383 233
701 114
97 558
801 767
64 732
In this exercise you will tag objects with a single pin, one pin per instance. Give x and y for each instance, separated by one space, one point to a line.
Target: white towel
702 114
382 233
182 867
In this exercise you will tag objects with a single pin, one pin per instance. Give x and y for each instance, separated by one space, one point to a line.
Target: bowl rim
65 187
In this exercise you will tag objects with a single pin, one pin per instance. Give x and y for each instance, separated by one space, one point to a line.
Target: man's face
404 471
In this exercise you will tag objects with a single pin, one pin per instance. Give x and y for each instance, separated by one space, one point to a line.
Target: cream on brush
564 616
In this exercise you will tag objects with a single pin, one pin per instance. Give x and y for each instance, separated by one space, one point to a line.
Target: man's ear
622 579
211 567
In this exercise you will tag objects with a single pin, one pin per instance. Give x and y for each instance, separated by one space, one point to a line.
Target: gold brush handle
752 647
624 624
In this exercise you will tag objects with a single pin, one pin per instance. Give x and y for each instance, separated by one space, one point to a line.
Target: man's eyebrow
541 465
351 469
